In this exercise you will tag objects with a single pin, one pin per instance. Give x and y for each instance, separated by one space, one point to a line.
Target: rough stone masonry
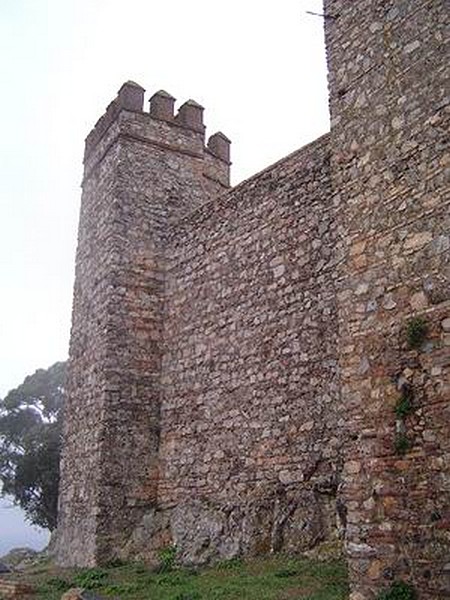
243 374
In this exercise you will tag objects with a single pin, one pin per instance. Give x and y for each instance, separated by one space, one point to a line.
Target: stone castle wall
250 409
389 103
237 356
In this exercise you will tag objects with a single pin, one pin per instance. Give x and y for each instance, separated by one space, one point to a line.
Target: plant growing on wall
402 409
402 443
404 406
399 590
167 557
416 331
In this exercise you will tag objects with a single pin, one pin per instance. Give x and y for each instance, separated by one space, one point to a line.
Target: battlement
181 131
129 97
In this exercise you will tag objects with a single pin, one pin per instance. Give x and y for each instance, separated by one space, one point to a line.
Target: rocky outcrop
203 531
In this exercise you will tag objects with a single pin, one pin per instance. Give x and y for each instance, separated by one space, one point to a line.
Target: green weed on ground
274 578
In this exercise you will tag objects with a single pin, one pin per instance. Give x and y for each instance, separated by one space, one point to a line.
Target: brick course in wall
237 354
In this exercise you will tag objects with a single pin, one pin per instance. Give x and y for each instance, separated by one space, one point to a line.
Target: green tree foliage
30 443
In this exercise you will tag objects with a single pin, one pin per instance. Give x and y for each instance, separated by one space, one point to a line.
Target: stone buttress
142 171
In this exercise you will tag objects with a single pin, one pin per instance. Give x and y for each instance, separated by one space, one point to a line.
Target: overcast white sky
257 66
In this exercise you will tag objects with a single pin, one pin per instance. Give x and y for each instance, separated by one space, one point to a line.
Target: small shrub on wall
399 590
416 332
402 443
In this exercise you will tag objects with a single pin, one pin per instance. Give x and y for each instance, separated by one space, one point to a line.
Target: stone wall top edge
308 153
320 144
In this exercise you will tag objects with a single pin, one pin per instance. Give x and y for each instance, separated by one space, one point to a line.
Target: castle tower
142 171
389 82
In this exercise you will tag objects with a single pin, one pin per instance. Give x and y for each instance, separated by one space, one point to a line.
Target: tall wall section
142 171
250 420
389 102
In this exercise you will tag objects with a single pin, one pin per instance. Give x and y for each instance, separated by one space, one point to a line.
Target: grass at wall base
274 578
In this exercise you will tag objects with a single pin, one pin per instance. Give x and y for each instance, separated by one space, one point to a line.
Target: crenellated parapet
181 131
129 97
